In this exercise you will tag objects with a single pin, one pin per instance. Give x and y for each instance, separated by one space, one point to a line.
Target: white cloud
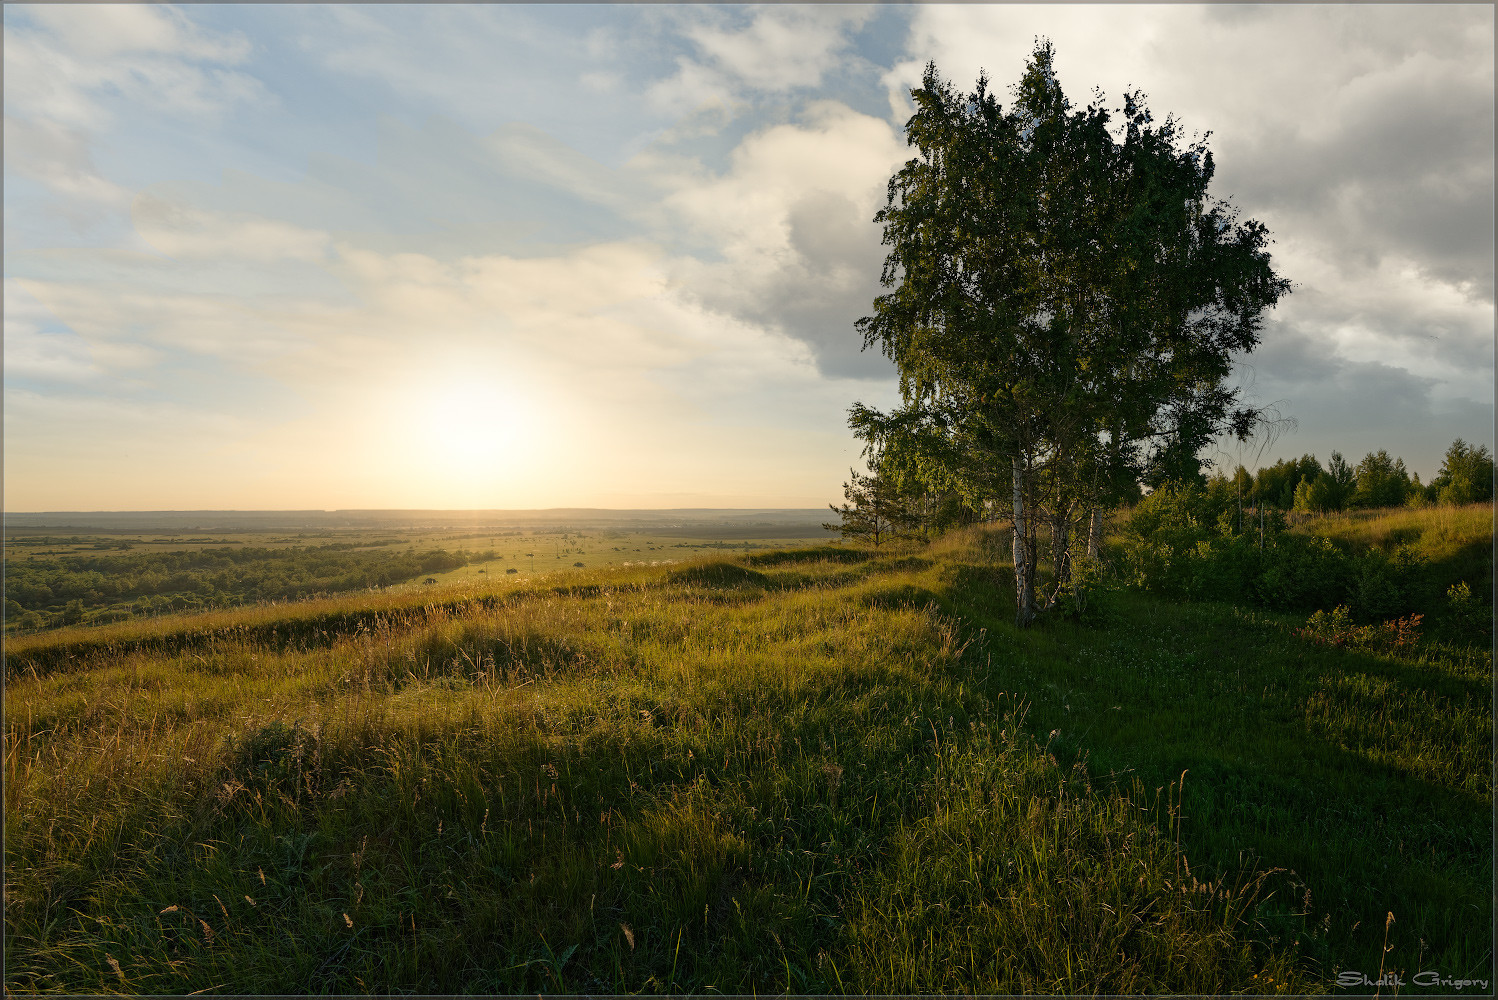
32 354
100 30
1397 315
59 158
792 221
120 321
179 230
73 72
782 48
85 58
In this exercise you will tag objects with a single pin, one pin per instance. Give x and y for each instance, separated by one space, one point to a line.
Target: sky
273 256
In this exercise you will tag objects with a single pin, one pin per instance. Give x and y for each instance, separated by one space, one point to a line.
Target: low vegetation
77 589
59 580
818 770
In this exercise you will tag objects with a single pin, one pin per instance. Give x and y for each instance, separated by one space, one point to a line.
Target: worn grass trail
817 771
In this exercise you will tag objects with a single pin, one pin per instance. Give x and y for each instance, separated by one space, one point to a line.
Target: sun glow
472 423
471 440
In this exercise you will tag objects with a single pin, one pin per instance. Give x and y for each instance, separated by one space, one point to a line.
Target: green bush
1470 615
1302 572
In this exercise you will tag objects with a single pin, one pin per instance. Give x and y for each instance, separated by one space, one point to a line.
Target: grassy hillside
823 770
1455 543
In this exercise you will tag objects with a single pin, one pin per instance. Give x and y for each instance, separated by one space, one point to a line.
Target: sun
468 429
472 433
479 424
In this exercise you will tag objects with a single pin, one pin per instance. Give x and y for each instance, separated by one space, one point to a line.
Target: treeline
85 589
886 504
1302 484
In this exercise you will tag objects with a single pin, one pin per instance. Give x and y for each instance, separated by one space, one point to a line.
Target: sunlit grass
832 770
1443 535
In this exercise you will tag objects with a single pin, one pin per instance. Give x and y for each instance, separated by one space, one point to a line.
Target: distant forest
1302 484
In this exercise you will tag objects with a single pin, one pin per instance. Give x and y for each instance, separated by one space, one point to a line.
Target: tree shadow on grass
1161 689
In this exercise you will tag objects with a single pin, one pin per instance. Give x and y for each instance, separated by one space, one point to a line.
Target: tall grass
795 771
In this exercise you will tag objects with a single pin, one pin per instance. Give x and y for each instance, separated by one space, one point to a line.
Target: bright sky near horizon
304 256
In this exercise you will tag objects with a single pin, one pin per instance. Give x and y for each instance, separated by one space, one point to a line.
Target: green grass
1453 544
830 770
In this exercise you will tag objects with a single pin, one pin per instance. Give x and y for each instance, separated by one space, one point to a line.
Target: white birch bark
1095 533
1024 556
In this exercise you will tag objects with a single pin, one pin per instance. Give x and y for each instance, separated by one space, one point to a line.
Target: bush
1302 572
1080 597
1338 629
1469 614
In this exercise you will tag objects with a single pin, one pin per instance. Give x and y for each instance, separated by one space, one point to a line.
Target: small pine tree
874 509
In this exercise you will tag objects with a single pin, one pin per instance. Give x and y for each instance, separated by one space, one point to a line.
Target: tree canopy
1065 304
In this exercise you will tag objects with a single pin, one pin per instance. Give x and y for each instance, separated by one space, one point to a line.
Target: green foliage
875 510
1468 612
1082 597
1187 541
1279 485
1336 628
1037 373
1466 475
1381 482
1301 572
1317 496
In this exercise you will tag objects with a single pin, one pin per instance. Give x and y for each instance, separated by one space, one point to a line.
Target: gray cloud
1356 406
830 282
1403 168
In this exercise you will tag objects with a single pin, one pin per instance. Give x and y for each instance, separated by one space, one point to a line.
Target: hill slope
807 771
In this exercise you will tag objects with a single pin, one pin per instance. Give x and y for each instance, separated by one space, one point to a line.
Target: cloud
778 50
792 220
1361 136
71 64
1369 128
113 29
1393 313
32 354
59 158
75 72
178 230
1360 406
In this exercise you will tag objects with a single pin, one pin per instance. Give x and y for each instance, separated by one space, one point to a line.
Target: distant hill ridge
231 520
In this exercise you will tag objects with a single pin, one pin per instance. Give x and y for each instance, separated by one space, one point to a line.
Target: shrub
1302 572
1079 598
1338 629
1468 613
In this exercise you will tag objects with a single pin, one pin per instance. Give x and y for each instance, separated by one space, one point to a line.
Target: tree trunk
1024 550
1095 533
1060 543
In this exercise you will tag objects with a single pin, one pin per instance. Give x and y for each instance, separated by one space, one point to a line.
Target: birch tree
1064 306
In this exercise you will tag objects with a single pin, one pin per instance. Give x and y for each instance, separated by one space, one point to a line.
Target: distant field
68 569
802 770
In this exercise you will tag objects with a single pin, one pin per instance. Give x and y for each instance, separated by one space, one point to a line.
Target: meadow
824 769
112 568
